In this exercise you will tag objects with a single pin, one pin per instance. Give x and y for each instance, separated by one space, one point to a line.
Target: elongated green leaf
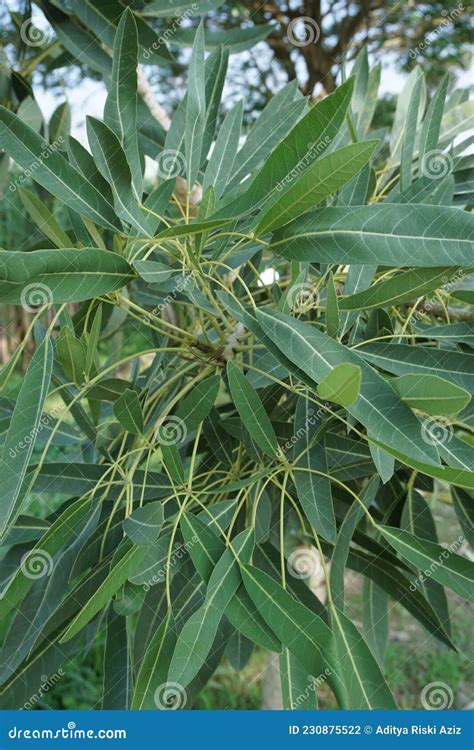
312 482
117 576
365 685
297 688
223 154
195 108
53 171
117 684
128 411
143 526
55 276
432 121
375 619
401 288
43 218
299 629
205 549
251 410
402 359
307 140
319 181
431 393
22 431
197 636
443 565
113 166
120 111
392 233
417 519
151 271
386 417
464 507
72 355
197 404
408 146
154 669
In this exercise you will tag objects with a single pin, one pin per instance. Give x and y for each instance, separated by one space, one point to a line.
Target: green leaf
154 668
464 508
195 108
251 410
375 619
120 111
403 287
102 596
305 634
22 431
128 411
395 233
431 394
417 519
441 564
224 151
113 166
197 404
117 682
60 124
172 460
237 40
403 359
205 549
151 271
332 310
309 137
53 171
319 181
342 384
386 417
197 636
432 121
43 218
408 146
297 688
363 680
143 526
313 489
72 355
55 276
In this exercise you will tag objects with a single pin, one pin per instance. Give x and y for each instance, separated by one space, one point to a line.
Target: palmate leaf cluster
204 428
